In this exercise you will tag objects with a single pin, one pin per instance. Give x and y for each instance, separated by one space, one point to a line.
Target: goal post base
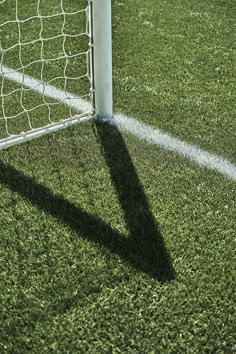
37 133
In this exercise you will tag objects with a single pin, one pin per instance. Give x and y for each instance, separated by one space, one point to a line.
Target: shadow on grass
144 249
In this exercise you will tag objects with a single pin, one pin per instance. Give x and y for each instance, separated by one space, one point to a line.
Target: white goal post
31 42
102 41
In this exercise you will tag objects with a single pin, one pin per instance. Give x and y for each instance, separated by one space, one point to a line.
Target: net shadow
144 249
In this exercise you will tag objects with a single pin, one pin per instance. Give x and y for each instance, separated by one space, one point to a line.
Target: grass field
109 244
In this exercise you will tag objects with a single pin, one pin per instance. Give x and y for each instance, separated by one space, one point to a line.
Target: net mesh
43 44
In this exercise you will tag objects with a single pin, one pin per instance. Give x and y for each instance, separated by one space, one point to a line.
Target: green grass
111 245
178 59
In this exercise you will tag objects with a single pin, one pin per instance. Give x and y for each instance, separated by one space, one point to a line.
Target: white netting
43 44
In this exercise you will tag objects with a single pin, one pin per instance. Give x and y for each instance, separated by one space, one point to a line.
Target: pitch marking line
133 126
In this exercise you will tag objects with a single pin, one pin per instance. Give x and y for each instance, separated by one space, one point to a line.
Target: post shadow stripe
91 227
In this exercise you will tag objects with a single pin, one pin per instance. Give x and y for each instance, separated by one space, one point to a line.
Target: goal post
35 39
102 39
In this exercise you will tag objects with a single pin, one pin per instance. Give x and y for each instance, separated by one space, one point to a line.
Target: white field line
140 130
45 89
182 148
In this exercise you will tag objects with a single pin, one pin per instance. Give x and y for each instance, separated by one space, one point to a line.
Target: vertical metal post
102 57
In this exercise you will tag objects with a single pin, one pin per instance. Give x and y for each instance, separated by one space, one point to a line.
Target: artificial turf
178 59
111 245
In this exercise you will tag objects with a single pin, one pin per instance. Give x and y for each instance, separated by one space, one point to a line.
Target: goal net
52 59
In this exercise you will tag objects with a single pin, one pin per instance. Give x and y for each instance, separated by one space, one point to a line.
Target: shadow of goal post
100 76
